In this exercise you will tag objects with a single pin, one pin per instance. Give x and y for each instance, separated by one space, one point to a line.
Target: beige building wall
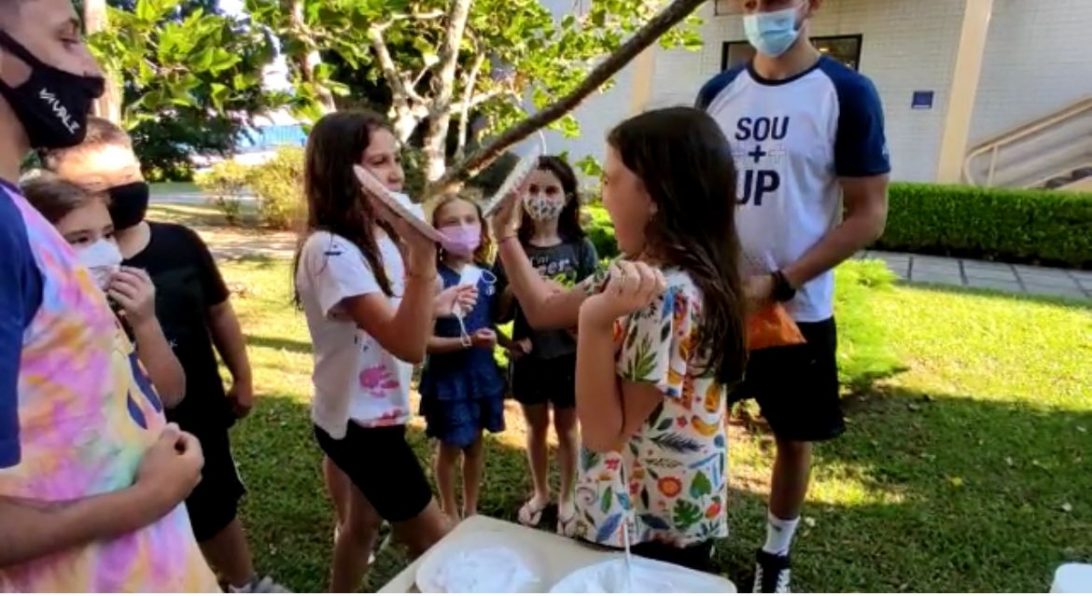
907 46
1038 60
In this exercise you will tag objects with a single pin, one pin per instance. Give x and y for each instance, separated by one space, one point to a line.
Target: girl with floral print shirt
660 339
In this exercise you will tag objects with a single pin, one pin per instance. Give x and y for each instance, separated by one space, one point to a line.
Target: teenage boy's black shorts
214 502
383 466
797 386
545 381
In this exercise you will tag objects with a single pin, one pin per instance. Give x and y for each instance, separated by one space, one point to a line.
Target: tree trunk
439 120
109 105
670 16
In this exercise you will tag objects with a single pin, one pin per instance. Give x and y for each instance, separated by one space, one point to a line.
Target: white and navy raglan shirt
792 140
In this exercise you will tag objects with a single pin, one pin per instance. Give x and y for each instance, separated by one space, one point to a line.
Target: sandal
529 515
566 515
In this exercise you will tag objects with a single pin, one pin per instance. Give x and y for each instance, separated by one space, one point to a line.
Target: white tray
516 177
483 550
398 202
648 576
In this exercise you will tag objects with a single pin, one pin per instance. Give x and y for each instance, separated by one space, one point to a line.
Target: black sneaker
772 573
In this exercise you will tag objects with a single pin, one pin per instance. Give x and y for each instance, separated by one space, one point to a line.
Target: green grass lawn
967 465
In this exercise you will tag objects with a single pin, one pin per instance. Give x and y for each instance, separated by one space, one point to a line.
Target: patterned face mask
541 208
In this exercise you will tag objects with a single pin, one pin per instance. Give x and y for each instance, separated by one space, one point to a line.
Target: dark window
843 48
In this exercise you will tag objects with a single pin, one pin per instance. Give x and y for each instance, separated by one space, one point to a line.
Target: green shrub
225 184
1036 226
278 184
600 230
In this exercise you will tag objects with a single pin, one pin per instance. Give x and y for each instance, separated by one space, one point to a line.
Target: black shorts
698 557
541 381
797 386
383 466
214 502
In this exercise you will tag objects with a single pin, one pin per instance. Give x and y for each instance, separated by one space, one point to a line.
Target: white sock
779 533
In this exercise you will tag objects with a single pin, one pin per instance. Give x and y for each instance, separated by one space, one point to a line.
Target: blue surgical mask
772 33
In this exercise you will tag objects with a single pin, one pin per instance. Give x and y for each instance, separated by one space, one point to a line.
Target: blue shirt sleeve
712 89
20 297
860 147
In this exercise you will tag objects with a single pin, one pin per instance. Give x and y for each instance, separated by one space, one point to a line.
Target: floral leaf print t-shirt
669 480
79 414
355 378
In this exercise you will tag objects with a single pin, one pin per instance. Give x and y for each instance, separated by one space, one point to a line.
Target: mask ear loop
464 337
490 282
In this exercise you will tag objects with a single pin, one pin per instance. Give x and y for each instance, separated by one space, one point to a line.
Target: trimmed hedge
1025 226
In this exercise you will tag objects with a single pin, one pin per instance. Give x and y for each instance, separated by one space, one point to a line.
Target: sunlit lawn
970 470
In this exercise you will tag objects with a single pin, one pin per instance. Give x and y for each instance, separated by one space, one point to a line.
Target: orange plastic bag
771 327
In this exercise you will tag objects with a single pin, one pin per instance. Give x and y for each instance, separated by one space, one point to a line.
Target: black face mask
128 204
52 104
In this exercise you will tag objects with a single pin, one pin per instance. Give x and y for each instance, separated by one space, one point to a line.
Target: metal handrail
994 145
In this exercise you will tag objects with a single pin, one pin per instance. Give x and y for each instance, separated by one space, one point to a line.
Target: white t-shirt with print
355 378
793 141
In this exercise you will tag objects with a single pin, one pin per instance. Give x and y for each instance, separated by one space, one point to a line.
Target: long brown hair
685 163
568 223
335 201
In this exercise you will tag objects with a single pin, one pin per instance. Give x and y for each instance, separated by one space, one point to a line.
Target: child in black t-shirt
195 312
544 362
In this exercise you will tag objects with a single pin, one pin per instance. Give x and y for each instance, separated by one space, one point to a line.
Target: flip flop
529 515
563 520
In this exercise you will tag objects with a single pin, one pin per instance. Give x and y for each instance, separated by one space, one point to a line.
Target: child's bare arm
445 345
164 369
133 291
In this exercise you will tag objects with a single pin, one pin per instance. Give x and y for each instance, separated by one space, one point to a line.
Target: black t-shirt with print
567 263
187 284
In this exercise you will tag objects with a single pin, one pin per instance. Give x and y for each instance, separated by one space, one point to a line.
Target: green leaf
686 514
219 94
607 500
700 486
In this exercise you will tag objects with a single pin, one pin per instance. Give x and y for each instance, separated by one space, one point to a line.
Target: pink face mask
462 240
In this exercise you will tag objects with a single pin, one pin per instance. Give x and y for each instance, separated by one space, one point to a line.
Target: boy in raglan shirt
808 140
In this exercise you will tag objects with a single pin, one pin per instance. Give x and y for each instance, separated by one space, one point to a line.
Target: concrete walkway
967 273
1020 279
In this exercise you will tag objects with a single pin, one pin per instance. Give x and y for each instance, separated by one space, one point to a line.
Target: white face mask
103 259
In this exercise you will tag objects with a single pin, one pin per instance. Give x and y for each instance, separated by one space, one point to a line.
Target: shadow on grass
258 262
924 493
279 343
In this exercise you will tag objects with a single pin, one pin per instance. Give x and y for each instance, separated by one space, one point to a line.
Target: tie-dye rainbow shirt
86 415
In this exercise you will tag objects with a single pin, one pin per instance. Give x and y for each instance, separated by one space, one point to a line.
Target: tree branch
440 109
670 16
403 94
468 98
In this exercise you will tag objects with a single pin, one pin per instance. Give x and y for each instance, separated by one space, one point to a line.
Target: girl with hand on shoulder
660 339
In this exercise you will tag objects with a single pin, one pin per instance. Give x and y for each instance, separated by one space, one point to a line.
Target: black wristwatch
782 289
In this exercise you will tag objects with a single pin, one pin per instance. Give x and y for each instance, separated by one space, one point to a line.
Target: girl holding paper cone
367 283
